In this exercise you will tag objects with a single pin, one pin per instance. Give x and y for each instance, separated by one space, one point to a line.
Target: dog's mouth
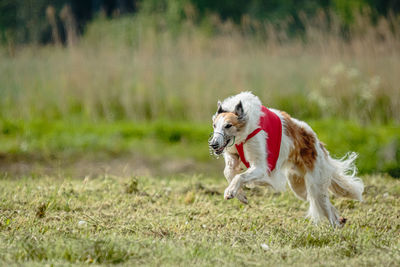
221 149
215 148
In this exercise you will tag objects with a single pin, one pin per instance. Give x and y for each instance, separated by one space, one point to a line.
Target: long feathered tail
344 181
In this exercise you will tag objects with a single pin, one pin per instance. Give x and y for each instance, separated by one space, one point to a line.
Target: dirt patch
126 165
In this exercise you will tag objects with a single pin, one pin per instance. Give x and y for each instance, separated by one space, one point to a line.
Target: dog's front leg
232 168
253 173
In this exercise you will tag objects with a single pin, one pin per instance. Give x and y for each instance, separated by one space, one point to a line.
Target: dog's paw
342 222
230 193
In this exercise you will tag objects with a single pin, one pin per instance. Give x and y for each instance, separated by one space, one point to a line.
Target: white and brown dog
276 148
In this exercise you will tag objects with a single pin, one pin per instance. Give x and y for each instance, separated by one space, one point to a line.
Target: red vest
272 125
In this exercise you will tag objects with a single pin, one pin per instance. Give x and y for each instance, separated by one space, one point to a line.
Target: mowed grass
184 220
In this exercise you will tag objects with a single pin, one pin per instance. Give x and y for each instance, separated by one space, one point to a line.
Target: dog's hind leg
318 196
297 183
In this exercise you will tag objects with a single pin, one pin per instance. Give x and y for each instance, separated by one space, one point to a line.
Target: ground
184 220
103 145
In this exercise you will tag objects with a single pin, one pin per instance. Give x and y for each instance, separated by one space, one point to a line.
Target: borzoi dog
276 148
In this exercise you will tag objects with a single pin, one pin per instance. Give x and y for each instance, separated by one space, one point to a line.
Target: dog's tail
344 182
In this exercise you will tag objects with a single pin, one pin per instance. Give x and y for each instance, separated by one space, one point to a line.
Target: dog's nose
214 145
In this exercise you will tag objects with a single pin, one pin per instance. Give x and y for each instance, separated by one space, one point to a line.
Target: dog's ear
220 110
239 111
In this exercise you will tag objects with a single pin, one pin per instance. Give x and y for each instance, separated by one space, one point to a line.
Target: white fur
327 172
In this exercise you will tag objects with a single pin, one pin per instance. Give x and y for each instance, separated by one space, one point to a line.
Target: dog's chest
232 150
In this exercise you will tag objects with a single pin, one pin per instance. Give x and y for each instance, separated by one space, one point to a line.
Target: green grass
132 94
185 221
377 145
65 139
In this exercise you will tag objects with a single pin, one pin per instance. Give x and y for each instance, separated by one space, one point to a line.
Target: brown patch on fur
303 154
298 185
231 118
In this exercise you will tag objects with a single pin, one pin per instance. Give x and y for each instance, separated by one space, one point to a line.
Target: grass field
104 156
185 221
50 141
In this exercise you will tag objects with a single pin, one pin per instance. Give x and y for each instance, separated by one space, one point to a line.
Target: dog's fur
303 160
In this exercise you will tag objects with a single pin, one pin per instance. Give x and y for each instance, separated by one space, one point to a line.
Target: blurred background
128 87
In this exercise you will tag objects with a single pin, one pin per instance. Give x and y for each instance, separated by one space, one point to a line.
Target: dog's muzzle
218 146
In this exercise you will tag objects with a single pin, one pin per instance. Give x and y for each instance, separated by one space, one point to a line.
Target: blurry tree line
61 21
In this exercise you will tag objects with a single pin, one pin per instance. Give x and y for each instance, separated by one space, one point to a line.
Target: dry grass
130 68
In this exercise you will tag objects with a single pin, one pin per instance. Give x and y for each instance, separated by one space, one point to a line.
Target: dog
278 149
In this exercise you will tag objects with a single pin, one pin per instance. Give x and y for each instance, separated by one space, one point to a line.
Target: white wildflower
328 82
338 69
375 82
353 73
264 246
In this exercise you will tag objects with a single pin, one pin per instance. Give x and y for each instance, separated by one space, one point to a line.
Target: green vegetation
377 145
186 221
141 70
103 135
16 14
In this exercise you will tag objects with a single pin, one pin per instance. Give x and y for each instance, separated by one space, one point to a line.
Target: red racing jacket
271 124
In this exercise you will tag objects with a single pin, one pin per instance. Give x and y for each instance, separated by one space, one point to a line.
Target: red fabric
272 125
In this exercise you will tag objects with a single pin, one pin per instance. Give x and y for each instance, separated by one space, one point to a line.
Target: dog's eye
228 126
213 125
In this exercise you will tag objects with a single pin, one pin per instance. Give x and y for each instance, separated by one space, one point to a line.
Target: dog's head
226 125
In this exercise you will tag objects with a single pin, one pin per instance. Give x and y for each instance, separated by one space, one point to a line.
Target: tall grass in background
139 68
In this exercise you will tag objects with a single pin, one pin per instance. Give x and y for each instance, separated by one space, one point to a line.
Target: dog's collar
239 147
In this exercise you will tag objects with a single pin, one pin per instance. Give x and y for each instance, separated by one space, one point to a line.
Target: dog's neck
251 125
242 136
